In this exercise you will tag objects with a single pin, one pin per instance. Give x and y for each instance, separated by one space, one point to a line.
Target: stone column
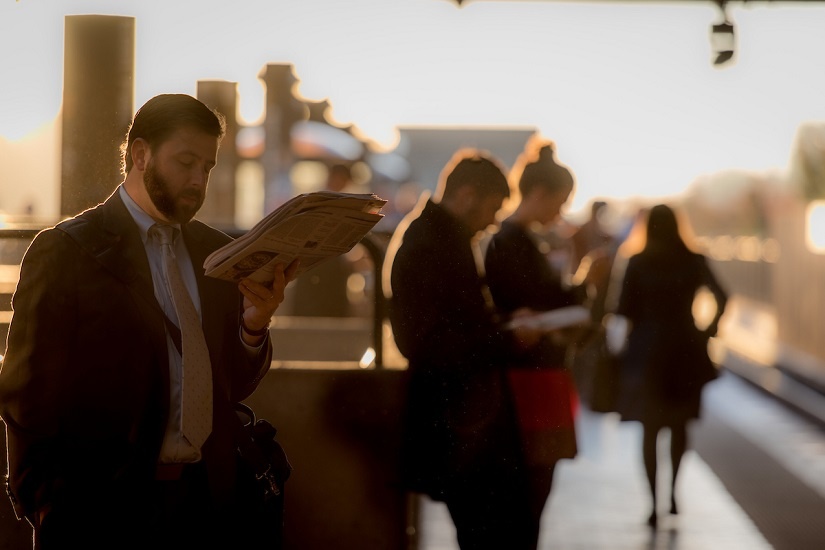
98 104
283 110
219 207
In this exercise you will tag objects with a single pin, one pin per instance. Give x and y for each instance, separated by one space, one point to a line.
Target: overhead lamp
723 39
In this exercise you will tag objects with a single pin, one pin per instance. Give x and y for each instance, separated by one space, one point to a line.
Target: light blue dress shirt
175 447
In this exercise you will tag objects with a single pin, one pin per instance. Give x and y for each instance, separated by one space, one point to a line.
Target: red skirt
546 404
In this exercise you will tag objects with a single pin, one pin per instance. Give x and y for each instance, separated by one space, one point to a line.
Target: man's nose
200 177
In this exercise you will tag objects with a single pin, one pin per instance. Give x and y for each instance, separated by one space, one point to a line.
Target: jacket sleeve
255 367
30 388
240 367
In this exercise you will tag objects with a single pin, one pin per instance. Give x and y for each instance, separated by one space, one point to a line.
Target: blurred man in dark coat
460 441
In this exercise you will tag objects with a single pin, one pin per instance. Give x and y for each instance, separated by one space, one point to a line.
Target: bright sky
627 90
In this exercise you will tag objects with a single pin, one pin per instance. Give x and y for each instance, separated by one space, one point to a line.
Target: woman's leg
649 455
678 446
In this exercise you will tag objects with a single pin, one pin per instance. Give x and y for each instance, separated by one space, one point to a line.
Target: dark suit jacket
84 386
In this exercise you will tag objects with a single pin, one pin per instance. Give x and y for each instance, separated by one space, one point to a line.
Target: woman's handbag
604 386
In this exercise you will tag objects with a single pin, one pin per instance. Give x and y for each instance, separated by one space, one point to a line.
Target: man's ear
141 153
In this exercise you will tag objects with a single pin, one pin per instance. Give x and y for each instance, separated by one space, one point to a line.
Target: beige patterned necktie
196 408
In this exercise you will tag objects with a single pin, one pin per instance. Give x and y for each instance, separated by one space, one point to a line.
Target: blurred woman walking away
665 363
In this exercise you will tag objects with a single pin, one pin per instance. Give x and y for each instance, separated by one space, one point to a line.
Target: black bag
596 371
263 471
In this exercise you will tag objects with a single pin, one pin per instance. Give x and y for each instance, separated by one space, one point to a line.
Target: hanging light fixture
723 38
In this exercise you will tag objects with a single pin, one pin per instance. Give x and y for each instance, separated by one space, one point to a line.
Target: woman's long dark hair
663 232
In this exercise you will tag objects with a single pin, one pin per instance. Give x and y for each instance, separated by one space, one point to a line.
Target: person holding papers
523 283
124 360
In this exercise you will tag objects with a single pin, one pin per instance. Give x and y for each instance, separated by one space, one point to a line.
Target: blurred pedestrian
523 282
460 435
665 363
591 235
590 360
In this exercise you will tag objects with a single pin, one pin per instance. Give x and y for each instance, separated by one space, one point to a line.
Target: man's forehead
190 140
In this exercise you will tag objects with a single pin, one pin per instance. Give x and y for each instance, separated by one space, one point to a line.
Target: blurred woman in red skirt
523 283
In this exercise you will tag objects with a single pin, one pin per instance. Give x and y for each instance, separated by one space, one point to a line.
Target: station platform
753 479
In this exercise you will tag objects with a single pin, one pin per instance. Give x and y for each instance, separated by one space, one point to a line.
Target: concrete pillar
283 110
219 207
98 104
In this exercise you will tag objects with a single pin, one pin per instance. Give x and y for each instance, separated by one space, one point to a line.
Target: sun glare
815 234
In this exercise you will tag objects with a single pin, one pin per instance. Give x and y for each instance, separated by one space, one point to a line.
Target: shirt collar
143 220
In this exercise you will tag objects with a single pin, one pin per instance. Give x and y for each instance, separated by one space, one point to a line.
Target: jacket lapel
111 236
119 249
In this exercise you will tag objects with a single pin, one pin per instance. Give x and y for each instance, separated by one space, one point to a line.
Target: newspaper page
553 319
313 227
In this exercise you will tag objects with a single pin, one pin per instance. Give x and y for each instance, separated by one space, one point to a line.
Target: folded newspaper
312 227
553 319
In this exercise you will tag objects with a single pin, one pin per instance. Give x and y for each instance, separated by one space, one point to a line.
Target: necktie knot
165 233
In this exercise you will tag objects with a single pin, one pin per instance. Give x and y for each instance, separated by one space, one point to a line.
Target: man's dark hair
473 167
163 115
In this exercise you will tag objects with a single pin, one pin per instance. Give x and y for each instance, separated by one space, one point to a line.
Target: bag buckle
267 479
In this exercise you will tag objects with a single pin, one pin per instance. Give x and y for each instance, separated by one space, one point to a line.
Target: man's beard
167 204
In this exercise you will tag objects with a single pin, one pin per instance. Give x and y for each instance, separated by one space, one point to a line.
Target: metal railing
15 241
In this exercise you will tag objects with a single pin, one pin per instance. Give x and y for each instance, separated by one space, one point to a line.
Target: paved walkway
600 500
